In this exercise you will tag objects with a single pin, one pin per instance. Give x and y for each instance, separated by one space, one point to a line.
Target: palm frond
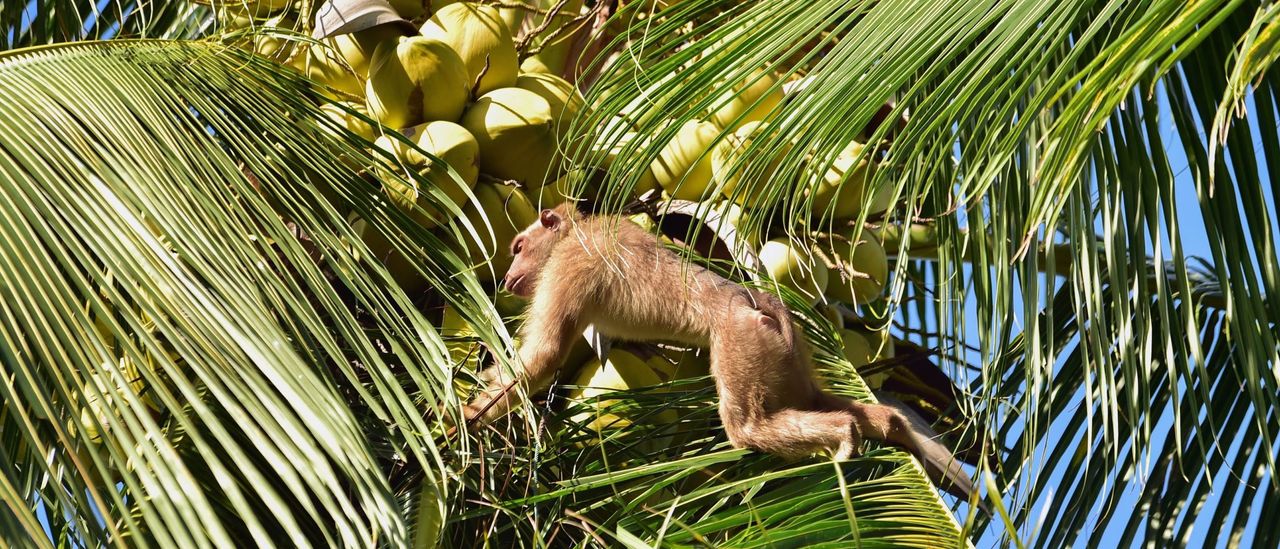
197 348
42 22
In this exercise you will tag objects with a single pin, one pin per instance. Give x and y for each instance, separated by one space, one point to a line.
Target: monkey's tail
941 465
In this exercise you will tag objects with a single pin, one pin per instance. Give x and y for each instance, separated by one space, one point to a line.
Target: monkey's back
636 289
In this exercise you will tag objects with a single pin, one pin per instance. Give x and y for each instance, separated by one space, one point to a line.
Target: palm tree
197 349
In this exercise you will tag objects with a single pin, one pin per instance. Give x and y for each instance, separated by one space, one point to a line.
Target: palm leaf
197 348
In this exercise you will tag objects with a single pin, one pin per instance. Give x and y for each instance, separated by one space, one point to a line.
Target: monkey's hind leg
792 433
897 424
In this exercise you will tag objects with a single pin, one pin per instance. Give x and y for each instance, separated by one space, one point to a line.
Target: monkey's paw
848 450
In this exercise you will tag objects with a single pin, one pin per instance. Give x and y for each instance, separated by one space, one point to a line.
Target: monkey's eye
516 246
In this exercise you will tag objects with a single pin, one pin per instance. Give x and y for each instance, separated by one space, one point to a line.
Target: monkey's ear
550 219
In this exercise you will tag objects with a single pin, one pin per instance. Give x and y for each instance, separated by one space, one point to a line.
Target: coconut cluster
454 90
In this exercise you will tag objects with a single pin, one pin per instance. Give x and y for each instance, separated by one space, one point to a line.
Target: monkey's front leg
546 339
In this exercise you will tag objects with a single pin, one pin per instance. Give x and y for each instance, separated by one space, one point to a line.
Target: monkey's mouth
517 286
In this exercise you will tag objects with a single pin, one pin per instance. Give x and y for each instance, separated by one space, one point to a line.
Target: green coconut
842 190
683 167
563 98
729 166
349 121
357 48
750 102
516 133
795 267
481 38
862 268
414 80
447 141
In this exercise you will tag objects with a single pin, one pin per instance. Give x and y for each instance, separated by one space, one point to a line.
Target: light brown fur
608 272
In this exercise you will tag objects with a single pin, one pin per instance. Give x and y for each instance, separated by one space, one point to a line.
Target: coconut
556 193
622 371
115 382
534 64
357 48
750 102
483 41
795 267
861 349
516 134
414 80
326 66
563 97
841 192
447 141
460 339
628 146
507 211
349 121
271 43
862 268
683 167
729 165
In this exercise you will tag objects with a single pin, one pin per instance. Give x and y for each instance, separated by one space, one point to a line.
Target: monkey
607 271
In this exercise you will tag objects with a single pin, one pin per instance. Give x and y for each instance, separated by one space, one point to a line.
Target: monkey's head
532 248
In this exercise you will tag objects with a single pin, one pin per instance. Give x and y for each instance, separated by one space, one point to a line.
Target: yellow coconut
326 66
115 382
626 148
862 348
507 211
483 41
516 134
447 141
414 80
556 46
563 98
729 165
556 193
795 267
830 313
622 371
856 348
749 102
861 268
232 20
534 64
349 121
841 191
460 339
272 43
357 48
683 167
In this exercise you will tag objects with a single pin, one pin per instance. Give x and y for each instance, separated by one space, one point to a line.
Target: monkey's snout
513 285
